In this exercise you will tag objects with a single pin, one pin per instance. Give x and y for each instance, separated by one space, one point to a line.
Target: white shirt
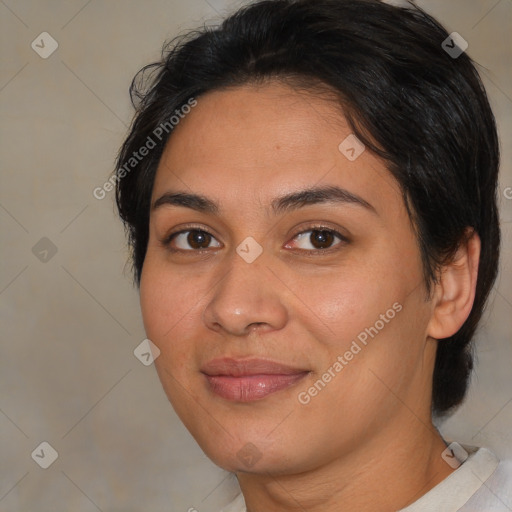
480 484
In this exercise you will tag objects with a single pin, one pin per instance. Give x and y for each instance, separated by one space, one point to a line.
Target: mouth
247 380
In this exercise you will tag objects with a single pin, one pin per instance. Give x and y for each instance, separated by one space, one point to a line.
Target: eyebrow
280 205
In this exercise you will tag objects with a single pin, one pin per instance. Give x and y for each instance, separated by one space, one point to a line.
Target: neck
387 474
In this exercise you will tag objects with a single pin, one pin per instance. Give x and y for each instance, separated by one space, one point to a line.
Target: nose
247 298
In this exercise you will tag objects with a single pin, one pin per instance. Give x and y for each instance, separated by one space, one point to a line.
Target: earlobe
455 292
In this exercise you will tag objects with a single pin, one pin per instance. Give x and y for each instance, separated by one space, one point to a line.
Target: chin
250 455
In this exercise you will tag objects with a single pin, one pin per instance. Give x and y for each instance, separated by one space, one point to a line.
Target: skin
365 441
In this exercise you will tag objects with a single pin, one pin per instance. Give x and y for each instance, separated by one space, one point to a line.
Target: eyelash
343 240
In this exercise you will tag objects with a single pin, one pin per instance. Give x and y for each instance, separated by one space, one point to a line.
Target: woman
309 194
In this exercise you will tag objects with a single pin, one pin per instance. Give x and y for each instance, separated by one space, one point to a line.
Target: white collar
458 487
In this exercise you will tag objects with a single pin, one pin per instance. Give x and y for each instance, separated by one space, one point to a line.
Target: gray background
70 324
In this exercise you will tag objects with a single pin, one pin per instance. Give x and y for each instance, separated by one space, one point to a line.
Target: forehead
250 144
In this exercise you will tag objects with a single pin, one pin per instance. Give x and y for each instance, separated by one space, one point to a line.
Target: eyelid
320 227
167 239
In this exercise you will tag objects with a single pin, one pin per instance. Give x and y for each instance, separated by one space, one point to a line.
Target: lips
245 380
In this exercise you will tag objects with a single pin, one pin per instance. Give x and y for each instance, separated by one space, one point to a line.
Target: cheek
370 313
383 341
352 299
168 303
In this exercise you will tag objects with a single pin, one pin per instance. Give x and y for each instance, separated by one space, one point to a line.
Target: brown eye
321 239
198 239
190 240
318 239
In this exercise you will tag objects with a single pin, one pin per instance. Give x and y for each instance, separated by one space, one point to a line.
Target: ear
455 292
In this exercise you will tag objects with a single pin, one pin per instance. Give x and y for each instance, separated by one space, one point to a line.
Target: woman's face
329 285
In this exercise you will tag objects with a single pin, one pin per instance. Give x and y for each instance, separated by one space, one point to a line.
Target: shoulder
481 482
494 493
